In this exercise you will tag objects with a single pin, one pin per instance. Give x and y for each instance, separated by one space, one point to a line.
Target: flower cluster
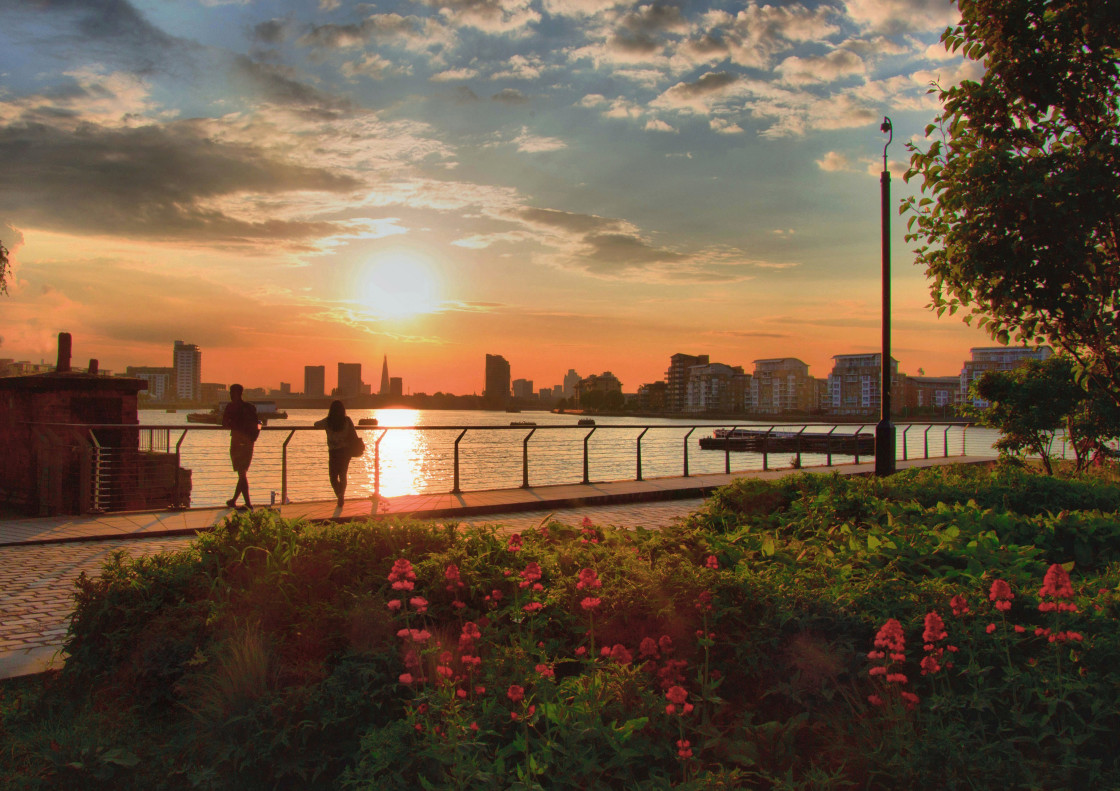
678 699
1000 594
515 543
890 648
402 576
531 576
1056 586
933 634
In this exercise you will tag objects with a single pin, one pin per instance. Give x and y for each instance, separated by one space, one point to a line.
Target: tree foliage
1032 402
1017 220
3 269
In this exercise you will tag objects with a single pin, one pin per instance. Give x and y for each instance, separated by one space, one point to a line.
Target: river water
416 451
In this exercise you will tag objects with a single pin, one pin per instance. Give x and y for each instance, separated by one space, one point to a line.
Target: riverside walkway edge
146 524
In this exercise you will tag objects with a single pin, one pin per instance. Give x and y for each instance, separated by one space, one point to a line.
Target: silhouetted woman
340 433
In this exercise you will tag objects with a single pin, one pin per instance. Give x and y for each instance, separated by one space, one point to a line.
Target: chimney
93 367
63 364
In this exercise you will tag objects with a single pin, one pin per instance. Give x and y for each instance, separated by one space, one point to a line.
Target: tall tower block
384 376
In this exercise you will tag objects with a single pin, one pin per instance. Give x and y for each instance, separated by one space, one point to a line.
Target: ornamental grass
811 633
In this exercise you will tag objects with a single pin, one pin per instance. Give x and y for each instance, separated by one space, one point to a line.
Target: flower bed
815 632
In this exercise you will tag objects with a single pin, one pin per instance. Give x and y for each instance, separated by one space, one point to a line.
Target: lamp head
886 125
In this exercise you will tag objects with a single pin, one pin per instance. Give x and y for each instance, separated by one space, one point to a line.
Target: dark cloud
708 45
150 182
510 96
354 35
463 93
635 43
278 86
567 221
617 251
113 28
655 18
271 32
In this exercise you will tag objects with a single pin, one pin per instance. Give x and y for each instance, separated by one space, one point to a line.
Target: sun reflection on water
407 459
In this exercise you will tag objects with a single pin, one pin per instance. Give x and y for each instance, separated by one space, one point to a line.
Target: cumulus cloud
835 162
815 69
510 96
535 144
657 125
898 16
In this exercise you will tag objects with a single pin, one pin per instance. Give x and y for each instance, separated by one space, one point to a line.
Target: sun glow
398 285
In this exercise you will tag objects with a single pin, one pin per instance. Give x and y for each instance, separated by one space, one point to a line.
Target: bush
761 644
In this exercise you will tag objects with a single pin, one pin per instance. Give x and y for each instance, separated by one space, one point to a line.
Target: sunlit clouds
569 183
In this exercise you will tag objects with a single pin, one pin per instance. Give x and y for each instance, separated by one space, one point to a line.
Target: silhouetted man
240 417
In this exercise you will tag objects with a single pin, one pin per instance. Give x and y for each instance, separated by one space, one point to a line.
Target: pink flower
535 606
648 647
909 699
590 603
515 543
934 628
712 563
418 603
586 522
588 578
665 643
1056 583
516 693
405 678
451 574
959 605
875 700
1001 594
393 604
677 694
929 664
460 693
620 654
890 637
704 601
402 576
531 574
683 750
896 678
581 651
990 628
545 670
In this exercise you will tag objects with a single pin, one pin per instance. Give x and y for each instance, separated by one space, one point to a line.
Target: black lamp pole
884 430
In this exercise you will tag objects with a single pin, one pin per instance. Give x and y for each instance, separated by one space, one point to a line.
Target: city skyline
285 185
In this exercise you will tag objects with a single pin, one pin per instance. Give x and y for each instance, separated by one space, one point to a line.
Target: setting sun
398 285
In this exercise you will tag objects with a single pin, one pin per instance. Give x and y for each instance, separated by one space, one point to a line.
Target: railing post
925 440
828 446
727 450
799 433
686 436
586 469
856 443
766 449
640 452
178 465
905 454
284 468
525 460
455 489
964 442
377 466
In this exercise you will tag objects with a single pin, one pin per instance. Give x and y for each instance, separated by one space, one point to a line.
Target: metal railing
494 460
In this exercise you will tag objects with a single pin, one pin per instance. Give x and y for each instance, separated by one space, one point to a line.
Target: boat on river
266 411
756 440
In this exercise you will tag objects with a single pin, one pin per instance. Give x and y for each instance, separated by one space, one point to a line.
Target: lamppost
884 430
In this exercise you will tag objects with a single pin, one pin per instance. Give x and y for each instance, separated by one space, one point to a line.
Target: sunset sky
569 183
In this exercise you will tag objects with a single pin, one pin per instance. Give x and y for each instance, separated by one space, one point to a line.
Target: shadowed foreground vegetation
780 638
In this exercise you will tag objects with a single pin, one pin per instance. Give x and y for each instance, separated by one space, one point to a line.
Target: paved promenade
41 558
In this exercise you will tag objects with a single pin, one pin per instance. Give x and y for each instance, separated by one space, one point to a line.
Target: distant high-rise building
676 379
159 380
709 388
782 384
187 363
854 386
349 380
604 383
496 393
396 386
315 380
571 382
386 384
522 388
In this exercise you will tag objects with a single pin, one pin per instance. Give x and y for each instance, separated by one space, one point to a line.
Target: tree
1017 222
3 269
1027 404
1030 403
